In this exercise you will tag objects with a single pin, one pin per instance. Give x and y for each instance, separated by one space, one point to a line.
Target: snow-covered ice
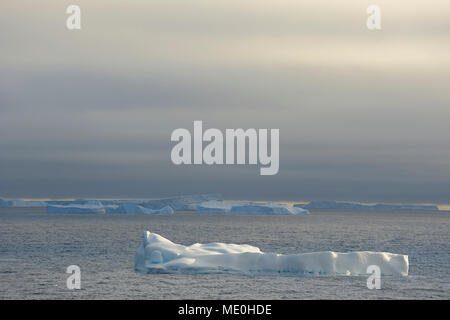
248 207
157 254
349 205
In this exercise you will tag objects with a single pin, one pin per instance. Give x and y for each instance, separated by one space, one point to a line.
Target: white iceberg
160 255
132 208
360 206
248 207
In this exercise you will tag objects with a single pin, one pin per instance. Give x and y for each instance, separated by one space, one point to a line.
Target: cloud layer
362 115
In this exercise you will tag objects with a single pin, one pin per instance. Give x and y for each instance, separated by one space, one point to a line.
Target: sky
363 115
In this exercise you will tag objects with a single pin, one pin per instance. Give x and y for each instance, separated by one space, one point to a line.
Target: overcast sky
363 115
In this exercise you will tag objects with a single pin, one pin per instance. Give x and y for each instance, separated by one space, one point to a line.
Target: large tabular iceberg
248 207
131 206
145 206
359 206
95 206
160 255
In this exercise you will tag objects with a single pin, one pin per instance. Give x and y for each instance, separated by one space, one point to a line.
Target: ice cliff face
157 254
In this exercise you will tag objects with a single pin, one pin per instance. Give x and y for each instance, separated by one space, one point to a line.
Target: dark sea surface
36 248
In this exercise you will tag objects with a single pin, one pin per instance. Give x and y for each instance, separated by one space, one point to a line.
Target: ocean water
36 248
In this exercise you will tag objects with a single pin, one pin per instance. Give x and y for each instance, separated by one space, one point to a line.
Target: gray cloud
362 116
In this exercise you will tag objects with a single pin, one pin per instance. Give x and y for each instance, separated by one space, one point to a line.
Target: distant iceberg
93 206
203 203
157 254
247 207
13 203
75 206
182 203
92 202
267 208
359 206
55 208
214 206
132 208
